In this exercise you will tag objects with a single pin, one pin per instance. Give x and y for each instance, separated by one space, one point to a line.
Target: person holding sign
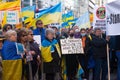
27 57
51 55
71 61
39 30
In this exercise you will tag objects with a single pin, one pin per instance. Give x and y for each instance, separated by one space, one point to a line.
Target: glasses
24 35
31 34
8 28
40 23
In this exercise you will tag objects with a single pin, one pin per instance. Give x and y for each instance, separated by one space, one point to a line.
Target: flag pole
108 62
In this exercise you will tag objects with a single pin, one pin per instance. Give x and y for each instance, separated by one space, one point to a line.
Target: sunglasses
24 35
40 23
31 34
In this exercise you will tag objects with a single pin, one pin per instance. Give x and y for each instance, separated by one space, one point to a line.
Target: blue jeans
100 65
118 69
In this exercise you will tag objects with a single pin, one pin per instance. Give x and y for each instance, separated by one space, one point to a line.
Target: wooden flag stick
108 61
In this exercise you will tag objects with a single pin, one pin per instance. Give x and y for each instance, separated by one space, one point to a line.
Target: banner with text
71 46
99 17
113 18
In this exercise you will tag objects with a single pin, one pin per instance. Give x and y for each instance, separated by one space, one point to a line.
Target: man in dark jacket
99 45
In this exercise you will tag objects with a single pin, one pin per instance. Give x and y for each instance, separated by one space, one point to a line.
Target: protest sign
113 18
37 39
20 48
71 46
100 17
12 17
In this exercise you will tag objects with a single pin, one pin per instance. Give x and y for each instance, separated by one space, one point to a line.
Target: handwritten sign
71 46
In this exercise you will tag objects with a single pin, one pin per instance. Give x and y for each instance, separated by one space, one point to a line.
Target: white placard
37 39
113 18
12 17
71 46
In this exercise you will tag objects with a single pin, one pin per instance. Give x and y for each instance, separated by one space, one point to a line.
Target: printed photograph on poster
20 48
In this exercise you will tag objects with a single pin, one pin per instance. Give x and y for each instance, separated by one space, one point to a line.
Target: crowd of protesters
46 60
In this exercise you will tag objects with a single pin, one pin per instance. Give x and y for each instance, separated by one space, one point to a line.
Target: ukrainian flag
69 16
68 19
65 24
12 62
50 15
80 72
28 11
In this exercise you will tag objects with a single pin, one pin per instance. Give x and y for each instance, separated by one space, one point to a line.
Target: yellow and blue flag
28 11
68 19
68 16
49 15
65 24
12 62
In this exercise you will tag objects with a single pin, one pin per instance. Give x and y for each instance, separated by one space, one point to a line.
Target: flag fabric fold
15 5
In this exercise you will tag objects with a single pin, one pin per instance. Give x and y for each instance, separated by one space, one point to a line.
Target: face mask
57 33
83 34
71 35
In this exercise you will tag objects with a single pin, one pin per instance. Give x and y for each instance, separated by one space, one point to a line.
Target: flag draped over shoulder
12 62
83 21
47 48
10 5
12 69
28 11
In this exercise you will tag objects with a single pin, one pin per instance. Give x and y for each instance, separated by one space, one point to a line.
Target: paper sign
71 46
37 39
12 17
